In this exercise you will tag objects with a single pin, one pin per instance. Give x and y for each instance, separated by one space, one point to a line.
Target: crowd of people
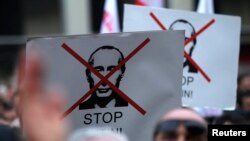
30 113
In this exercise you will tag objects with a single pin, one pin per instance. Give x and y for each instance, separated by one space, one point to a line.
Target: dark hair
242 76
240 79
231 116
91 62
241 95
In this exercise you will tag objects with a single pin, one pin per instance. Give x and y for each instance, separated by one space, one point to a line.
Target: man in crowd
181 125
244 82
7 133
244 100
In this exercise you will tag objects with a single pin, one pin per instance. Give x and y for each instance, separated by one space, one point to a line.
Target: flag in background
155 3
206 6
110 20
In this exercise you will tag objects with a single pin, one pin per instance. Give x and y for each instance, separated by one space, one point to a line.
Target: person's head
104 59
244 82
244 100
181 125
97 134
181 24
229 118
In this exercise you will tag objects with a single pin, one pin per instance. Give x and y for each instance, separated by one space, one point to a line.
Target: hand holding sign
40 115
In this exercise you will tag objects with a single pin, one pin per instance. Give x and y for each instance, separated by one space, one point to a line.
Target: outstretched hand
40 110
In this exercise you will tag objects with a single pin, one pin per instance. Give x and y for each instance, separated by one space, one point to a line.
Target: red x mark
188 41
105 79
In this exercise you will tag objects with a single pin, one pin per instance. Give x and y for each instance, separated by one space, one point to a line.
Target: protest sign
125 81
212 42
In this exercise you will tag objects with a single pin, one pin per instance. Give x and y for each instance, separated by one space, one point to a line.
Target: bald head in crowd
97 134
181 125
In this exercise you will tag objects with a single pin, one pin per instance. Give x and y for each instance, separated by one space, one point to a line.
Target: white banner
211 51
125 81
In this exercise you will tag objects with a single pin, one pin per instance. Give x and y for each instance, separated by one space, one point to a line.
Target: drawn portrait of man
104 59
181 24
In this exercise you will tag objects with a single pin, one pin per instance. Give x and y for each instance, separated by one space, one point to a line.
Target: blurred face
188 34
180 130
246 103
104 61
180 134
245 84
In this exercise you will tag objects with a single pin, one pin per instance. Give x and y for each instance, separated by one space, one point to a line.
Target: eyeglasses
168 127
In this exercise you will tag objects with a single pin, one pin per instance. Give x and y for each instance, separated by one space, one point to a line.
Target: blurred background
21 19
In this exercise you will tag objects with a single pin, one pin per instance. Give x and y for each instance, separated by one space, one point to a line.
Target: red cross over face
113 70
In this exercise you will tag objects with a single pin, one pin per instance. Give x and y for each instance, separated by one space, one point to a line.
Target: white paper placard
210 72
150 79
